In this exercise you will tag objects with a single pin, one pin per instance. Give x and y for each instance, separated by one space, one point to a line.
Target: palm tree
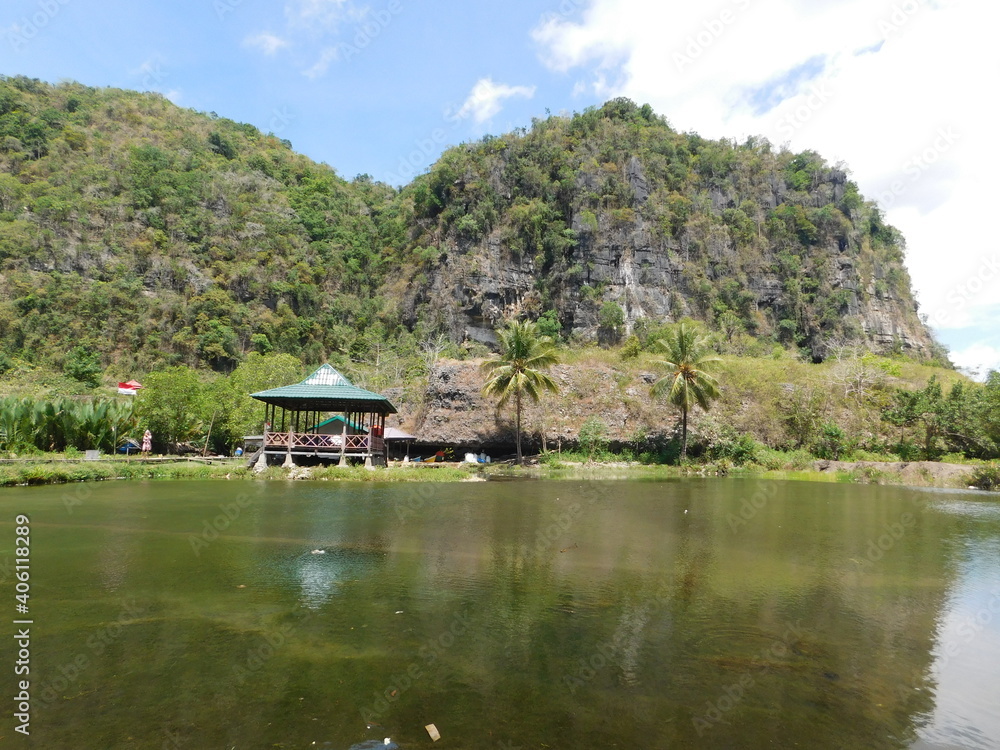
688 358
517 369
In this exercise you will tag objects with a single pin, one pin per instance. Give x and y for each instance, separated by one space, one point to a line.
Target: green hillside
153 235
610 217
135 234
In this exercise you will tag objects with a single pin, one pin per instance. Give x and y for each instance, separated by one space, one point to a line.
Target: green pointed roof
326 390
338 418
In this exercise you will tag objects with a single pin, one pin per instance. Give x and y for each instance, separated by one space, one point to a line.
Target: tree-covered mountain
610 218
152 234
136 234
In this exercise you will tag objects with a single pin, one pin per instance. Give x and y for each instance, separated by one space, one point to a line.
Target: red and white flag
129 388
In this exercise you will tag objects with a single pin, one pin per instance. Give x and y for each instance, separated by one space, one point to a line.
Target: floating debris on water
386 744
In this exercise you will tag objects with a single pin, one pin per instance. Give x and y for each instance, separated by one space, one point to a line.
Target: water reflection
727 613
967 653
322 571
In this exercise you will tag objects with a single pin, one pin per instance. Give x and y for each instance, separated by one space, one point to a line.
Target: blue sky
399 68
889 87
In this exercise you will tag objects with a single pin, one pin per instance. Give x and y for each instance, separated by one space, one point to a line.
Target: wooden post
290 436
204 451
370 449
385 445
262 458
343 440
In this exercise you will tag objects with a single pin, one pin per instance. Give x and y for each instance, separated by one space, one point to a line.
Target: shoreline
52 470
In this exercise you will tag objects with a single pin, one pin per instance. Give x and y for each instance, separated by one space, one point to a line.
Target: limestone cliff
613 210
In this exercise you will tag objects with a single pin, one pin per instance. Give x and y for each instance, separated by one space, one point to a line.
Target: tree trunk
545 443
684 435
517 402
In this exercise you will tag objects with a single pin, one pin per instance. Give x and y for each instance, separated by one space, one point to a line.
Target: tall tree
239 414
688 382
517 370
173 405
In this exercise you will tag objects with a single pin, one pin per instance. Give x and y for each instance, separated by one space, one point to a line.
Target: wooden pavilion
295 422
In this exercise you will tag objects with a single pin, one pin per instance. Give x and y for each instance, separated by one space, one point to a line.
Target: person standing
147 442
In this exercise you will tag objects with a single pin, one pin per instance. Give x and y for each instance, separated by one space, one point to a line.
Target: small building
398 443
335 426
297 421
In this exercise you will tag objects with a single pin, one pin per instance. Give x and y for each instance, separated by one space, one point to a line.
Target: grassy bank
32 473
985 476
45 471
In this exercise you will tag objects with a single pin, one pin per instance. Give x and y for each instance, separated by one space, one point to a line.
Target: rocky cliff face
453 412
782 242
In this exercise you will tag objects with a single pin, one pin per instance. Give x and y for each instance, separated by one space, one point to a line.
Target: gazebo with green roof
294 414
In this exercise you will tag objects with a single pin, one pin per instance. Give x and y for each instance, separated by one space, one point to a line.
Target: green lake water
674 614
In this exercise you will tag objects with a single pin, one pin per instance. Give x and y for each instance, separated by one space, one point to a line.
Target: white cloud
485 99
266 42
896 94
977 359
153 75
320 67
330 30
317 14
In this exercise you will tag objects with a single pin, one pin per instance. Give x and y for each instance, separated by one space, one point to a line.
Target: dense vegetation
209 260
135 234
748 238
178 404
151 235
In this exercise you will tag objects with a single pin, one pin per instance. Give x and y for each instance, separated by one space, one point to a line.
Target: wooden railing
327 443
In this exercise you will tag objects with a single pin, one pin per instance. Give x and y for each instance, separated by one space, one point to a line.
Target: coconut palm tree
517 370
688 383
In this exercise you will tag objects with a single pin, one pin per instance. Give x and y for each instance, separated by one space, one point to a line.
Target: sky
896 90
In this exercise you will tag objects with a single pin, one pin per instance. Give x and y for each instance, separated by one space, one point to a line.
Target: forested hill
156 234
608 219
152 234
